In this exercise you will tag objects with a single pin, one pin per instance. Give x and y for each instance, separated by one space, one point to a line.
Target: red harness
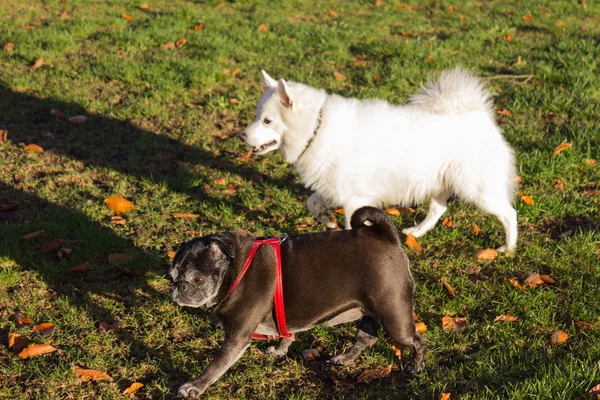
278 296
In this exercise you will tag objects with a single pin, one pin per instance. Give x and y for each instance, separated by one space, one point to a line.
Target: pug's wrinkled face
198 270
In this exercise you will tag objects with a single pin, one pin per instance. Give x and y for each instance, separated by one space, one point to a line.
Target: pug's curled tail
378 219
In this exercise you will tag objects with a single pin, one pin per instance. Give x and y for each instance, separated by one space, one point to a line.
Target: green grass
161 124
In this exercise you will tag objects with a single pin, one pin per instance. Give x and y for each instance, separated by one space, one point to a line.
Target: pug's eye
267 121
199 281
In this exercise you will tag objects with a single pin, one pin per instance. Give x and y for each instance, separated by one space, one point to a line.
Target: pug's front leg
231 351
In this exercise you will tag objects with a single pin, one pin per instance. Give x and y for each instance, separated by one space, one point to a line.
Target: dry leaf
591 161
518 180
547 279
34 235
559 186
64 14
144 6
38 63
118 205
339 211
516 284
51 245
377 79
453 324
9 46
34 148
198 27
487 254
169 46
3 136
397 211
262 28
338 76
475 229
421 327
507 37
407 6
16 341
586 325
379 3
181 42
219 181
503 111
36 350
448 288
233 100
90 374
413 244
445 396
594 392
371 374
360 63
118 258
245 157
103 326
45 328
559 337
560 23
527 200
29 27
117 220
77 119
560 148
230 190
135 386
343 382
58 113
185 215
447 222
221 5
310 354
235 72
22 320
429 58
505 317
407 34
333 13
527 17
87 266
533 280
127 17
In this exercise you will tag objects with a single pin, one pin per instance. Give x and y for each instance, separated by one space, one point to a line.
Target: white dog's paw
189 391
329 221
415 231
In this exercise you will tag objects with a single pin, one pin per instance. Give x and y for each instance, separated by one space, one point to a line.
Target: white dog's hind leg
508 216
437 207
318 208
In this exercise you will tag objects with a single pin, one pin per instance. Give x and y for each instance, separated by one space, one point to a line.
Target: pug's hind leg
281 349
366 337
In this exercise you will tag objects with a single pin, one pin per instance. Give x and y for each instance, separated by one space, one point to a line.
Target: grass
161 126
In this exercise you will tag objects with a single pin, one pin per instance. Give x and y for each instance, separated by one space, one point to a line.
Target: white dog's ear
284 94
267 80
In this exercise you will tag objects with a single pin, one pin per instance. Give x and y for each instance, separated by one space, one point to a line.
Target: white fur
370 152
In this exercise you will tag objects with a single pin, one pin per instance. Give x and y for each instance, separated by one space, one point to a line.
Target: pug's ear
222 246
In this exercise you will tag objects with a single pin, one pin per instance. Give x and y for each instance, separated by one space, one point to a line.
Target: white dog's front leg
436 209
318 208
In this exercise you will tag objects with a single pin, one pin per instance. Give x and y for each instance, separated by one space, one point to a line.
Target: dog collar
315 131
275 242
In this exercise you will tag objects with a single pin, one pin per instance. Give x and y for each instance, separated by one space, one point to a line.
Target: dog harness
275 242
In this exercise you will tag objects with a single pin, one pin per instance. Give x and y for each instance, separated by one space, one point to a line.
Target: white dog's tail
455 92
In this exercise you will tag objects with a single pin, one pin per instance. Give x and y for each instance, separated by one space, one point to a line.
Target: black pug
328 278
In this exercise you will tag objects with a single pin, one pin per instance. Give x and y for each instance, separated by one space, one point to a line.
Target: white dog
355 153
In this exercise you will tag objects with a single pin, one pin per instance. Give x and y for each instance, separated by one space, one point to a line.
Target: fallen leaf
343 382
379 3
360 63
185 215
448 288
475 229
591 161
338 76
560 23
17 341
65 252
230 190
144 6
421 327
415 316
407 34
527 17
34 147
135 386
51 245
369 375
181 42
23 320
397 211
171 254
447 222
518 180
29 27
533 280
413 244
9 46
77 119
586 325
262 28
310 354
516 284
429 58
233 100
198 27
561 147
64 15
118 258
339 211
445 396
87 266
487 254
3 136
505 317
548 280
453 324
507 37
90 374
377 79
169 46
45 328
34 235
527 200
221 5
559 337
333 13
127 17
224 164
594 392
235 72
559 186
38 63
398 348
103 326
503 111
34 350
58 113
407 6
245 157
219 181
118 205
117 220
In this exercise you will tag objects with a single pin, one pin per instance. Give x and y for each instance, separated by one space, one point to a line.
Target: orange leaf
118 258
507 37
360 63
503 111
421 327
413 244
36 350
339 211
448 288
505 317
548 280
103 326
51 245
429 58
45 328
591 161
38 63
339 77
487 254
447 222
219 181
198 27
221 5
144 6
117 220
398 348
518 180
34 148
185 215
245 157
180 42
533 280
16 341
343 382
310 354
586 325
407 6
235 72
22 320
230 190
118 205
559 186
527 200
87 266
561 147
453 324
262 28
171 254
127 17
90 374
58 113
475 229
77 119
3 136
169 46
9 46
594 392
233 100
34 235
135 386
371 374
445 396
397 211
516 284
560 23
64 14
29 27
379 3
333 13
559 337
527 17
407 34
376 79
